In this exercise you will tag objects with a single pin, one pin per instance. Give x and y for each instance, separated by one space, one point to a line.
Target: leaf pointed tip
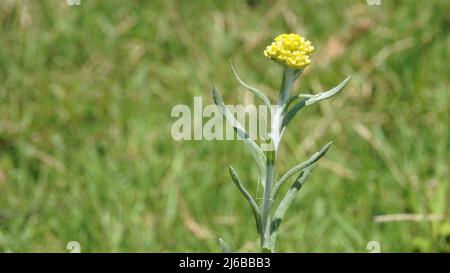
232 172
327 146
233 70
347 79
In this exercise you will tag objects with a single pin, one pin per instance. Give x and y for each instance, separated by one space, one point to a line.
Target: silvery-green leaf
255 150
260 95
247 196
310 99
313 159
292 112
293 98
327 94
289 198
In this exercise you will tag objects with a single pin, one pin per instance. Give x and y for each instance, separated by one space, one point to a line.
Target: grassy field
86 152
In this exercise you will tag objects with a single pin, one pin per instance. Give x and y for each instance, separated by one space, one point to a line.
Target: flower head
290 49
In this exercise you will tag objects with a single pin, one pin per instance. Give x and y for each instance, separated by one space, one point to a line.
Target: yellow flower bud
290 49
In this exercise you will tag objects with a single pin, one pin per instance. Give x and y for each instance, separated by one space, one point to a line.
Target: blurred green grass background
85 147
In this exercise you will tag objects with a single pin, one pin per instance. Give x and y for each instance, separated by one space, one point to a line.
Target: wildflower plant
293 52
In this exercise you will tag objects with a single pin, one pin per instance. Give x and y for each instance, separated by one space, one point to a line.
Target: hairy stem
267 242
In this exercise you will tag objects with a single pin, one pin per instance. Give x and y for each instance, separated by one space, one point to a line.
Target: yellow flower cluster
290 49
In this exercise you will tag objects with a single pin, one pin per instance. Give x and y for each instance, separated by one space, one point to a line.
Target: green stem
289 77
267 242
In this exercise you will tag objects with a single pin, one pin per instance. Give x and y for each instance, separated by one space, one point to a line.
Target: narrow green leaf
327 94
292 112
293 98
313 159
289 198
310 99
247 196
260 95
255 150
